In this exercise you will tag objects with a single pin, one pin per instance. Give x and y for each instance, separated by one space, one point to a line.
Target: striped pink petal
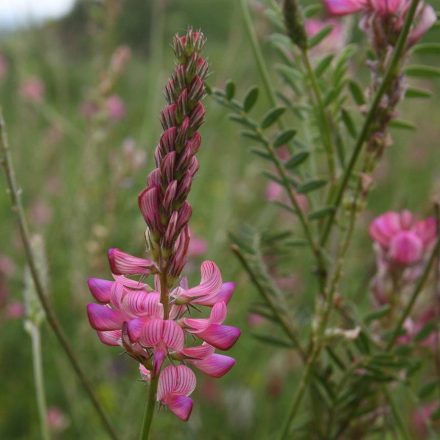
112 337
215 365
122 263
210 282
173 335
224 295
102 317
152 333
218 313
100 289
220 336
198 352
179 380
141 304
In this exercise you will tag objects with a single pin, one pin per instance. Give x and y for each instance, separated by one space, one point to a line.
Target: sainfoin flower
151 321
402 239
385 16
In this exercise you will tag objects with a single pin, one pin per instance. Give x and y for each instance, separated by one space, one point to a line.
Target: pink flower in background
197 246
88 109
3 67
41 212
420 419
15 310
32 90
120 58
275 192
384 18
116 108
402 239
334 42
57 419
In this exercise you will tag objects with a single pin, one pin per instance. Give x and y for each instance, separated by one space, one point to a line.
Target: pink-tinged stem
17 208
390 74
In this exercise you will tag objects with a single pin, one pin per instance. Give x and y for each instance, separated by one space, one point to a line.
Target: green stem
399 422
39 379
417 290
262 68
17 208
388 78
149 409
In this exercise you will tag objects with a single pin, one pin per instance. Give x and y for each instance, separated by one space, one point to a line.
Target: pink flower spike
175 385
104 318
100 289
122 263
344 7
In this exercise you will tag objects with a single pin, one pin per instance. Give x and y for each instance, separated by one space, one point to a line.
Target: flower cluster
152 322
402 244
383 19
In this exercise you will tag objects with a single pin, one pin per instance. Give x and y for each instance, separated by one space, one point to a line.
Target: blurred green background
81 170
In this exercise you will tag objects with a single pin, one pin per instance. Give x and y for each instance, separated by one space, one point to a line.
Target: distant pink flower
15 310
386 16
275 192
403 240
334 42
3 67
7 266
197 246
420 419
255 320
120 58
116 108
41 212
57 419
32 90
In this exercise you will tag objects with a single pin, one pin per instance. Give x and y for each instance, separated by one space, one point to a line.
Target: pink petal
344 7
152 333
426 21
385 226
222 337
406 248
102 317
134 329
175 380
224 295
122 263
198 352
218 313
210 283
100 289
181 406
112 337
197 325
145 373
173 336
215 365
141 304
426 230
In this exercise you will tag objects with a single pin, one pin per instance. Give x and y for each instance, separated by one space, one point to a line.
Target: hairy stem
17 208
390 73
39 379
282 320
